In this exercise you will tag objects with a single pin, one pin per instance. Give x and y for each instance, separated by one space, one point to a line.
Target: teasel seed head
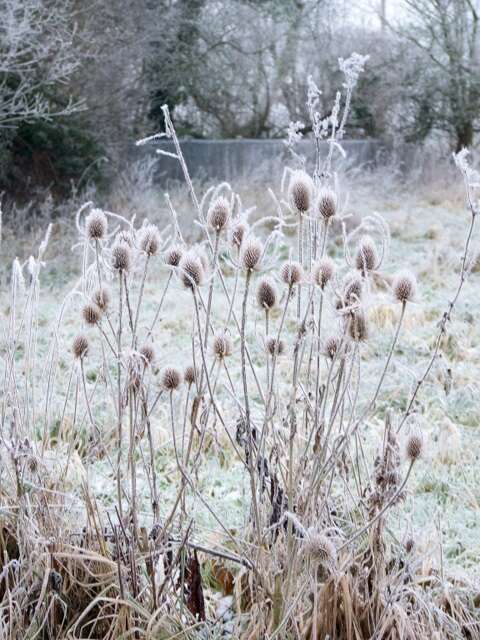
367 256
327 204
352 289
358 327
323 272
275 346
101 298
96 224
192 271
331 346
170 378
404 286
238 233
300 190
121 256
266 294
173 256
135 367
219 214
252 252
291 273
189 375
148 353
91 314
124 236
414 447
222 346
80 346
409 545
320 550
150 240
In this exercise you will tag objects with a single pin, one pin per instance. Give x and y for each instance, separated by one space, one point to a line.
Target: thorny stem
119 394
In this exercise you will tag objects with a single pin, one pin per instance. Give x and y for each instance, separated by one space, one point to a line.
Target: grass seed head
96 225
300 192
170 378
266 294
80 346
219 214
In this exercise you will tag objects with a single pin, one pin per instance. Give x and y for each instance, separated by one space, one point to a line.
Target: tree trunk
464 133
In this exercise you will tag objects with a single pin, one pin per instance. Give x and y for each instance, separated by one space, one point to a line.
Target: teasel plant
264 370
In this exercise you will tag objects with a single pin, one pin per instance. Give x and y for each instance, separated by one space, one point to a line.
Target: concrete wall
248 159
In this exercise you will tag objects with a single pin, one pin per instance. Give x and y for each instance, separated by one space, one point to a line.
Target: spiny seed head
414 447
150 240
96 224
409 545
135 367
367 256
91 313
170 378
291 273
173 256
358 327
300 192
101 298
192 271
238 233
121 256
320 549
266 294
327 204
222 346
404 286
252 252
275 346
148 353
189 375
219 214
323 272
331 346
80 346
352 289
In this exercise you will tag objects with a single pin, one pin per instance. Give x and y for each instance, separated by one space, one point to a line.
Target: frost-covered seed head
148 353
320 550
358 327
404 286
222 346
170 378
101 298
266 294
173 256
252 254
189 375
124 236
91 314
275 346
331 346
96 224
327 204
219 214
409 545
300 192
80 346
150 240
238 233
192 271
121 256
414 447
323 272
291 273
367 256
352 289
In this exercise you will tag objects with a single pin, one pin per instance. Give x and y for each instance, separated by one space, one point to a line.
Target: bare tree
36 55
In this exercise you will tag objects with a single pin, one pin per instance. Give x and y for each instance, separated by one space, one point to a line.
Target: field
87 568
